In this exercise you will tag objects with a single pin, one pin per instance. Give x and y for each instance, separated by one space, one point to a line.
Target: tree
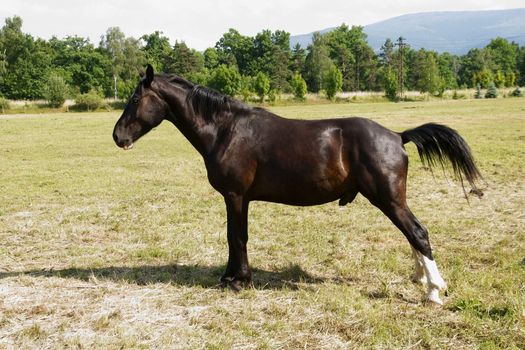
83 67
448 67
184 61
298 58
504 56
271 55
473 63
157 50
234 49
333 82
127 59
26 62
401 69
386 53
298 85
499 79
510 79
425 73
521 66
261 85
226 80
317 64
211 58
353 56
483 78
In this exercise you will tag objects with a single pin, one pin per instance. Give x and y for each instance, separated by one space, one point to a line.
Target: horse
251 154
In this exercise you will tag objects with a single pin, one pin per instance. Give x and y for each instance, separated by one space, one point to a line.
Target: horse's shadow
184 275
292 277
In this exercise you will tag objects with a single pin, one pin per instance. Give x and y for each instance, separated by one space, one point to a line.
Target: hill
454 32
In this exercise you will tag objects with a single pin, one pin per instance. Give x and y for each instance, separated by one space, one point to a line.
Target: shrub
333 82
389 84
491 91
516 92
56 91
298 85
272 95
246 88
226 80
261 85
457 96
118 104
441 87
89 101
4 104
201 77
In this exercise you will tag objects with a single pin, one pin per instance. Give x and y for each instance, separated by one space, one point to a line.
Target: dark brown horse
253 154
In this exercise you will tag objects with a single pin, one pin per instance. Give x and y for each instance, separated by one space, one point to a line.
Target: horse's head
144 111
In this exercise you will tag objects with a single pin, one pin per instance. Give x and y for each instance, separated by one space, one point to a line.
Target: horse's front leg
237 270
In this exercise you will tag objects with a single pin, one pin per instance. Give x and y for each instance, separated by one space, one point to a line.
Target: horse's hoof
433 298
236 285
232 283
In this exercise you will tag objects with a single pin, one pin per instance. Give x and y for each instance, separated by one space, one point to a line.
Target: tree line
263 65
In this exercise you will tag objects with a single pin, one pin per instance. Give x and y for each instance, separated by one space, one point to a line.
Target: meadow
102 248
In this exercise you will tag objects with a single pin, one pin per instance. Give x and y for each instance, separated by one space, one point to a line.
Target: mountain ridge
455 32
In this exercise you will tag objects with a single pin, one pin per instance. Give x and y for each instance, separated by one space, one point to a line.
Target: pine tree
491 91
478 91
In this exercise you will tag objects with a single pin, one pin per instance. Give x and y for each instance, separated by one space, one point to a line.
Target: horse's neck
199 132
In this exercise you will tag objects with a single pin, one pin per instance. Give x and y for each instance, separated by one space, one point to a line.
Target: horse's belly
310 188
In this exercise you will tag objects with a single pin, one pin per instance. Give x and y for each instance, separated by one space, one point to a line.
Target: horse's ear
149 75
142 73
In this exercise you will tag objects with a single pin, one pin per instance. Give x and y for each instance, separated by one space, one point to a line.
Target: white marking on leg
433 276
435 281
419 273
433 296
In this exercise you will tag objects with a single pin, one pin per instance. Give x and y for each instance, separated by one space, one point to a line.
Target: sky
200 23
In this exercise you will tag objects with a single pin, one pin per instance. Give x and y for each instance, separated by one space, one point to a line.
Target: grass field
102 248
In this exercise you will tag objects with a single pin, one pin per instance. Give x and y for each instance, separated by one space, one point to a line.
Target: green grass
109 249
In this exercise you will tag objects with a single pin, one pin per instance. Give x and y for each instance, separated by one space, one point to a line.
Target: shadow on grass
186 275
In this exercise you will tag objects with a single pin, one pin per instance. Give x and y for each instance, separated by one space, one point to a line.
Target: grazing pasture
102 248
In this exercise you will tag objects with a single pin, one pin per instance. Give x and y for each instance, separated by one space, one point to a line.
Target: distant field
103 248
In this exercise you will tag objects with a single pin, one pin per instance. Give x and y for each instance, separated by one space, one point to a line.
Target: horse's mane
207 102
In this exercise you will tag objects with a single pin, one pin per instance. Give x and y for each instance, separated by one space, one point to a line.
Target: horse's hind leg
417 235
386 189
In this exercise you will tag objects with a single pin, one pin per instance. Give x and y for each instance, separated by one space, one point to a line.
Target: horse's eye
135 100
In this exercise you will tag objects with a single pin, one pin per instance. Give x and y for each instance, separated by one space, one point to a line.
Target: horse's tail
436 142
